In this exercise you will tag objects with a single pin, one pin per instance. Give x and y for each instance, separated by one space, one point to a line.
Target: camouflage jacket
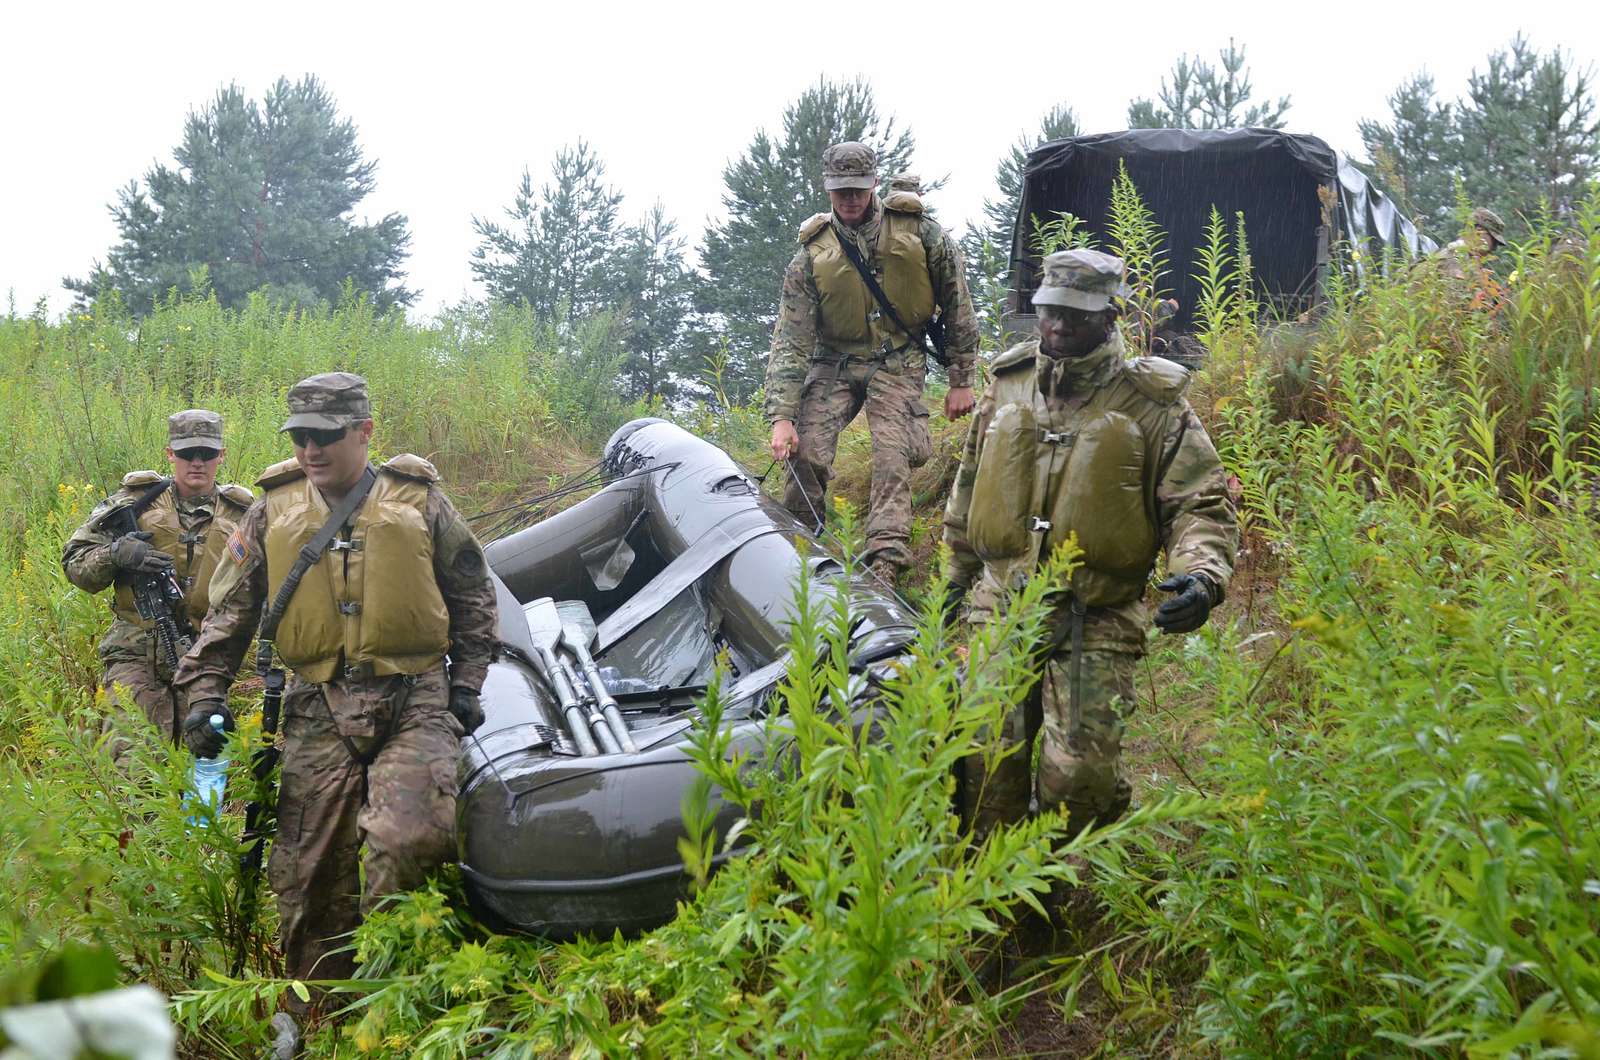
239 592
794 338
1193 517
86 558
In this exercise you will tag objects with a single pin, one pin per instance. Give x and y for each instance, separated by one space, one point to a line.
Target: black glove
1187 611
202 739
132 552
465 706
954 596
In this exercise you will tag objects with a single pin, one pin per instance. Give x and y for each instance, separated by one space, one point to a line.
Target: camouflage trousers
133 685
400 807
891 394
1078 766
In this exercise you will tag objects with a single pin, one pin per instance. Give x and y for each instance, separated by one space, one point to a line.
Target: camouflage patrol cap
1491 225
328 401
1081 279
194 429
906 182
849 165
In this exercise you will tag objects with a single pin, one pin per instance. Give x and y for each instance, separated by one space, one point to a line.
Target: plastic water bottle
206 783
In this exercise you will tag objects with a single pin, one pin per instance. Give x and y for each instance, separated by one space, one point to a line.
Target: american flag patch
238 548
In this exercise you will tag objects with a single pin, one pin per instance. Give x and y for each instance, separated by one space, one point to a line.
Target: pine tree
986 247
1528 135
770 190
1416 155
261 197
559 253
1523 141
1202 96
659 284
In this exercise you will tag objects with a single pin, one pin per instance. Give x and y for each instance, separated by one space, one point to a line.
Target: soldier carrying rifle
157 541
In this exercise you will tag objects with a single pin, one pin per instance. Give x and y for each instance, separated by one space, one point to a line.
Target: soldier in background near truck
372 718
183 521
835 351
1073 440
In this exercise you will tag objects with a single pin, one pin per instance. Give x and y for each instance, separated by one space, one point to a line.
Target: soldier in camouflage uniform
373 717
183 526
1074 439
834 352
1486 235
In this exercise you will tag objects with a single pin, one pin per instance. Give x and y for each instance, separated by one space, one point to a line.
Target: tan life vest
849 319
370 603
195 554
1087 474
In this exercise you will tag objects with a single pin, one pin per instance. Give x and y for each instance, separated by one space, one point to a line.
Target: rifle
157 595
258 812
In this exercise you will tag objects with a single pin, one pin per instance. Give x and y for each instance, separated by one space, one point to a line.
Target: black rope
526 512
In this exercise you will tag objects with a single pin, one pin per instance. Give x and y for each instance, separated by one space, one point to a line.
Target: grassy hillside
1368 787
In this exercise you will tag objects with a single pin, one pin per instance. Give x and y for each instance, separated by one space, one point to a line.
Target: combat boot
885 572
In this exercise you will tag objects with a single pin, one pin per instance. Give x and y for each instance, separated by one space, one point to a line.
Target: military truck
1299 200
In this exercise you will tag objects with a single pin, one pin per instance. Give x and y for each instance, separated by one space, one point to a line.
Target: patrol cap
906 182
328 401
849 165
1081 279
194 429
1490 223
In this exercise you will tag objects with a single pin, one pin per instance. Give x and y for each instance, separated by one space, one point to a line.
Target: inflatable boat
613 616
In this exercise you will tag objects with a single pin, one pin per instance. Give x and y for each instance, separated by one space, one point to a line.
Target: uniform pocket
919 436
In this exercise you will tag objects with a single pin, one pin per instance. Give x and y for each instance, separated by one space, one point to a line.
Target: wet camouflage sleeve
463 578
794 340
238 589
1198 524
964 565
86 559
949 278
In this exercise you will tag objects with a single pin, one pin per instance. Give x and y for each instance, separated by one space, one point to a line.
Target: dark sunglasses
197 455
304 436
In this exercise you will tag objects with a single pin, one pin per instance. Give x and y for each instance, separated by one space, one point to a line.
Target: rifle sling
313 551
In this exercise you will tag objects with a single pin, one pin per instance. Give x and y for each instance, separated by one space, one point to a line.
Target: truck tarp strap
313 551
714 547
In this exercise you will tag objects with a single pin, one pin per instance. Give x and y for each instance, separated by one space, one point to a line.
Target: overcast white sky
453 99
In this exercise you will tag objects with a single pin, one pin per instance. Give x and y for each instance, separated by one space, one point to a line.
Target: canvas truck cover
1278 180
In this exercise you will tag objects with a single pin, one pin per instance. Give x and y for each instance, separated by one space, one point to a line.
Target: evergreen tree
1523 140
1415 156
1000 213
1202 96
660 294
261 197
770 190
1528 136
560 251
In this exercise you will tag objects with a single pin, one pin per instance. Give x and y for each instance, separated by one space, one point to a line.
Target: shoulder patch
135 479
814 224
237 495
1157 378
1019 356
903 202
411 465
238 546
279 474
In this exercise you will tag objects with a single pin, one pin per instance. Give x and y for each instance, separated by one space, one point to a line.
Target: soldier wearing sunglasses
184 521
375 711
